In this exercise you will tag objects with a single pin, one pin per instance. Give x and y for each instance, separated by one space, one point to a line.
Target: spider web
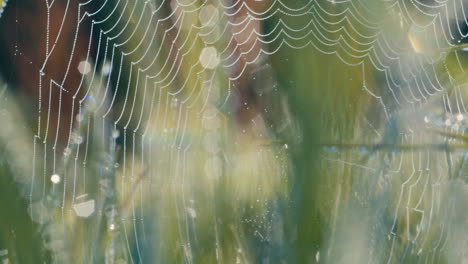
160 82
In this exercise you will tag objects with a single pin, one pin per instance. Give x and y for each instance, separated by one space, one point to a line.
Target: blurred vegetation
128 147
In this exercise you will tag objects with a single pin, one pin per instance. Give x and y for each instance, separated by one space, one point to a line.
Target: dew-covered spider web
240 131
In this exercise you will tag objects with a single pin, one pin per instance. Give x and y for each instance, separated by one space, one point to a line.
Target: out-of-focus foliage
172 132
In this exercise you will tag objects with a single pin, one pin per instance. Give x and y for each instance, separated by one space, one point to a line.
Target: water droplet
106 68
192 212
84 209
67 151
209 58
55 178
174 102
460 117
208 16
115 133
426 119
77 139
84 67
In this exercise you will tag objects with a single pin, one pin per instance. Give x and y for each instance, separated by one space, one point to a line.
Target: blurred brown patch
27 41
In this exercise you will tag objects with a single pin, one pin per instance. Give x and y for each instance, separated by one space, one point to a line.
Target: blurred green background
233 131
